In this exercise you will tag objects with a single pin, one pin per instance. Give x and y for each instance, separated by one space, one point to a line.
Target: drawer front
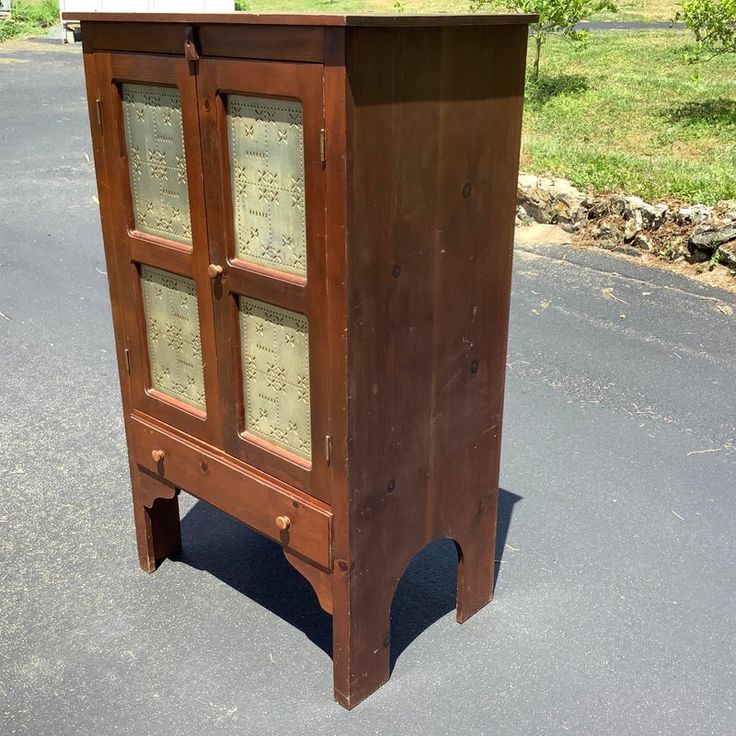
255 500
285 43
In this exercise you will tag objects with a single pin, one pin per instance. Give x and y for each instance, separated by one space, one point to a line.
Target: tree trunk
537 56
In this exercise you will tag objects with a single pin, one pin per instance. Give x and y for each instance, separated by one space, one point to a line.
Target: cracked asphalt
614 610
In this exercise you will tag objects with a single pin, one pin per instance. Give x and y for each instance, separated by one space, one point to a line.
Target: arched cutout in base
424 594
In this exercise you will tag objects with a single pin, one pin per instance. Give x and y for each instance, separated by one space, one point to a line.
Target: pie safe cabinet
308 225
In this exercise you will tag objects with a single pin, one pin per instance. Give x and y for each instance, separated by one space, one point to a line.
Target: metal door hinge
127 360
98 105
191 53
322 146
328 448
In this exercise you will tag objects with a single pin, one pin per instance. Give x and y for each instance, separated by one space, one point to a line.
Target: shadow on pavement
426 591
256 567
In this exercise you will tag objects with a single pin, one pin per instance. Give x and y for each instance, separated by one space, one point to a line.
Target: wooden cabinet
308 224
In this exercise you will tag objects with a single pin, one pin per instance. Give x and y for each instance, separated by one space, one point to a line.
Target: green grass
626 113
628 9
357 6
643 10
28 17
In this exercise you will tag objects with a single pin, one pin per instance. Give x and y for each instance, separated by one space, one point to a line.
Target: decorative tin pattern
172 327
275 354
266 140
158 169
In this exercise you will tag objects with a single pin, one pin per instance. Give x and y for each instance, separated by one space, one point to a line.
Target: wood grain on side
434 123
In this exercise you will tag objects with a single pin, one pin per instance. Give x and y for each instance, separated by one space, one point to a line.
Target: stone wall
672 230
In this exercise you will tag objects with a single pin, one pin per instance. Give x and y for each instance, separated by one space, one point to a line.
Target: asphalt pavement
614 610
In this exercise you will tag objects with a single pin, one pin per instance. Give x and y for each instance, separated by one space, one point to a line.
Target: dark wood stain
308 20
410 236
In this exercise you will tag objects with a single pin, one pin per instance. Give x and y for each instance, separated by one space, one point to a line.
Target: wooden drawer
273 42
255 499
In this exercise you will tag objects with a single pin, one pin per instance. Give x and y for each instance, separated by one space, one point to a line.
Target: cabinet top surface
406 20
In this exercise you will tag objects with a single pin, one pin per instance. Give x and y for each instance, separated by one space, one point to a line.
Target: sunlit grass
651 10
626 113
628 9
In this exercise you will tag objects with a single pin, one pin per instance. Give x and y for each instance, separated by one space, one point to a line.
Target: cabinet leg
475 569
157 526
361 646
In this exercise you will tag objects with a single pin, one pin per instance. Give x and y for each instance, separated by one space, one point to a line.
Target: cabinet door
264 180
153 152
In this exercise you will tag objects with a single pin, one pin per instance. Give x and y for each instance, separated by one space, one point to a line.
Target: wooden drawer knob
158 455
214 270
283 522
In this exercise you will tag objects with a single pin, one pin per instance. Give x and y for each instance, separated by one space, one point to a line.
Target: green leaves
27 17
561 16
555 16
714 24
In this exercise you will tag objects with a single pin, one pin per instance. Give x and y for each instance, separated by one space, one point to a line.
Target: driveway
614 610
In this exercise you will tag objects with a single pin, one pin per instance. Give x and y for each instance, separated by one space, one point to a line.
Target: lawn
628 9
626 113
642 10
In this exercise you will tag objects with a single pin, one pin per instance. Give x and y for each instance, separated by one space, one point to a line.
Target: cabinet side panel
433 147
